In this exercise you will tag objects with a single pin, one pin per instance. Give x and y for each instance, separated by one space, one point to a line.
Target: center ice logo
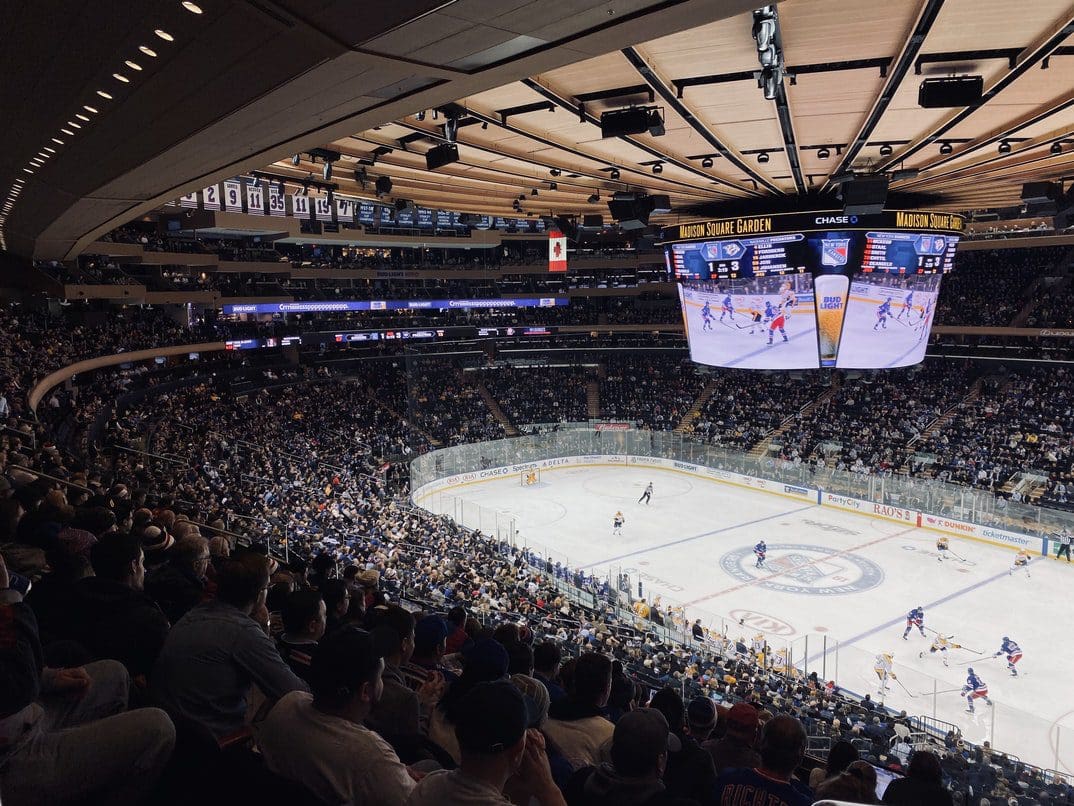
798 568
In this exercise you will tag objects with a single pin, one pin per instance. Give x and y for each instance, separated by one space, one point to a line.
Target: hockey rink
830 574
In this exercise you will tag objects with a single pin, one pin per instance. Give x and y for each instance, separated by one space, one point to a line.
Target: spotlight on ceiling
614 173
594 198
763 157
533 192
707 162
823 153
326 171
1005 147
521 197
886 150
484 125
420 115
555 171
553 186
658 168
1057 148
296 159
946 148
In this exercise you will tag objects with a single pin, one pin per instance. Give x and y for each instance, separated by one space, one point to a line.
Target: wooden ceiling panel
822 31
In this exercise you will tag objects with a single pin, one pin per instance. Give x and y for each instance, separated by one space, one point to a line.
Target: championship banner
232 196
557 251
189 200
277 205
322 208
255 200
300 206
211 197
344 210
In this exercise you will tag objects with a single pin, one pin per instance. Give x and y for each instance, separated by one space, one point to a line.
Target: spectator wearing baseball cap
430 645
495 745
640 745
701 718
320 740
485 661
737 748
772 781
690 772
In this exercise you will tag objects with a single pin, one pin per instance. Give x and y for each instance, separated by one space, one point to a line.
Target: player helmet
970 670
1005 638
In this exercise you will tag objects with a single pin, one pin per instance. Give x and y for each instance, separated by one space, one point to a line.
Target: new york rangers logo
834 251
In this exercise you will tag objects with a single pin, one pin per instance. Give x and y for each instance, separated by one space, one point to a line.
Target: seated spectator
701 718
110 614
641 743
689 772
576 724
782 750
320 740
547 657
485 661
337 600
495 746
401 711
737 748
855 784
303 626
109 755
218 651
179 584
839 758
922 786
430 646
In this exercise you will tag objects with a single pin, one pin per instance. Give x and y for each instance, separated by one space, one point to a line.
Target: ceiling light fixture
763 157
148 51
555 171
823 153
614 173
1005 147
946 148
484 125
421 115
121 77
74 125
81 117
57 141
707 162
50 150
594 198
193 8
296 159
132 65
68 132
104 95
533 192
886 150
1057 148
164 35
90 109
28 170
658 168
553 186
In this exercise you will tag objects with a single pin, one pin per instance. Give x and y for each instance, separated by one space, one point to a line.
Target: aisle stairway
592 397
761 448
940 422
686 424
494 407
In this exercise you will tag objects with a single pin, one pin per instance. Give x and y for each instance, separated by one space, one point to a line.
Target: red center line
826 557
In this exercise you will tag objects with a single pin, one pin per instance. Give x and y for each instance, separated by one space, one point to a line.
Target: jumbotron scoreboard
811 289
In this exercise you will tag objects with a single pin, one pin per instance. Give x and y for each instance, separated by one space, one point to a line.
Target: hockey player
941 643
647 495
942 545
758 647
882 314
617 523
760 551
915 618
706 316
728 308
882 666
975 689
1021 560
907 307
757 321
923 322
779 319
787 299
1013 653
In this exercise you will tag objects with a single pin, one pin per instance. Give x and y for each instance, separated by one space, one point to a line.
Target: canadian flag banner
557 251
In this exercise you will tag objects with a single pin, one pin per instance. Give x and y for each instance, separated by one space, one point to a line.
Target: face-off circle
801 568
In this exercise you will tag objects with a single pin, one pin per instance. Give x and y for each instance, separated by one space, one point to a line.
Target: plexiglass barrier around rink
936 703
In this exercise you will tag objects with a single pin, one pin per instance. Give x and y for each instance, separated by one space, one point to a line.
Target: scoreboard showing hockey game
809 290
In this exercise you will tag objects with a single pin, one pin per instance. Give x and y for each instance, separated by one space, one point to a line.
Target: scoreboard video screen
810 290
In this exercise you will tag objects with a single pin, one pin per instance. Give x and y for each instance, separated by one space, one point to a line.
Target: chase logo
800 568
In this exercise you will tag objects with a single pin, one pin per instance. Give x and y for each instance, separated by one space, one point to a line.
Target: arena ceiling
848 101
244 84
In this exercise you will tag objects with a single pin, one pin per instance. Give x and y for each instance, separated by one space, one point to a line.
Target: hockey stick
904 688
942 691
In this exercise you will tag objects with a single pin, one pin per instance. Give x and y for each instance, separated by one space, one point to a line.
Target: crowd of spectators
653 390
988 287
445 404
539 394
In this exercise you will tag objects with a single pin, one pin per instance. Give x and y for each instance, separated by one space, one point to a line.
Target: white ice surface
677 542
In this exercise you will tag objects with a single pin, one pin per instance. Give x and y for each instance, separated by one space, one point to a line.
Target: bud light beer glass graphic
831 292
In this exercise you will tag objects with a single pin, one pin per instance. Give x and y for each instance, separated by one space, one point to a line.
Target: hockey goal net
528 477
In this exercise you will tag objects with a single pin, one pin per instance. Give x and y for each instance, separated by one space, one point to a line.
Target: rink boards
818 496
